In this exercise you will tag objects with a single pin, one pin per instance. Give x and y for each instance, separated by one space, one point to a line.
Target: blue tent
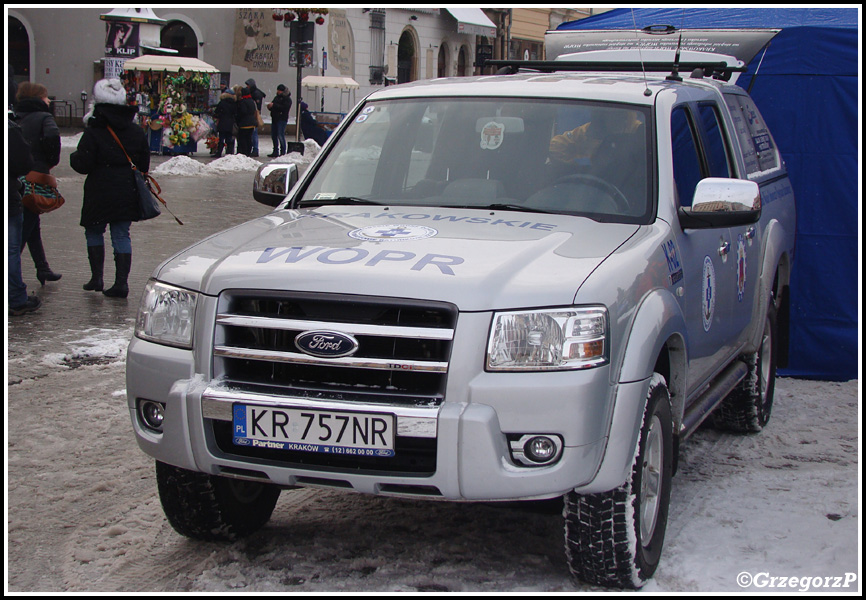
808 91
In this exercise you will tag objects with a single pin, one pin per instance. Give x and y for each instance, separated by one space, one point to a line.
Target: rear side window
759 149
686 160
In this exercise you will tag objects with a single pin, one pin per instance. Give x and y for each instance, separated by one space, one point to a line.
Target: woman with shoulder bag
110 193
41 132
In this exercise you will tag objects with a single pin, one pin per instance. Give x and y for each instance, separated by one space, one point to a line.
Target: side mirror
273 182
720 202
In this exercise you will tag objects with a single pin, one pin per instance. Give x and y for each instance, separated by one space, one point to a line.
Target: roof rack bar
549 66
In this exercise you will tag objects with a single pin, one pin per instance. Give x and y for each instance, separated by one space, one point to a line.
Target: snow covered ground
84 516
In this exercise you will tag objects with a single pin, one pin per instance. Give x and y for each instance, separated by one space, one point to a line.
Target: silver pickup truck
512 287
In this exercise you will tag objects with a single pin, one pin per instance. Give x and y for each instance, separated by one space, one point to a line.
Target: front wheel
615 538
211 508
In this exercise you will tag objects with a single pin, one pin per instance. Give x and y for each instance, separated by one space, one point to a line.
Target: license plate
328 432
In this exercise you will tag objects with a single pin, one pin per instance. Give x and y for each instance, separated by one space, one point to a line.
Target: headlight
548 340
166 315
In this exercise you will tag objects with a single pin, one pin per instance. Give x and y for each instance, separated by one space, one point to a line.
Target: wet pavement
206 205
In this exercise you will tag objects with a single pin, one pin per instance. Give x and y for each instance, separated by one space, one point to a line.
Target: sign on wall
341 45
255 46
121 39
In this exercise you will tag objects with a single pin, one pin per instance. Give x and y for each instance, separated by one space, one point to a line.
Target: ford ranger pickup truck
522 286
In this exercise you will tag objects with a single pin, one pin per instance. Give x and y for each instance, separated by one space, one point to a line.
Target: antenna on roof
646 91
675 74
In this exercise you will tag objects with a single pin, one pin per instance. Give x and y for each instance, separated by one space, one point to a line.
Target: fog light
540 449
534 450
152 414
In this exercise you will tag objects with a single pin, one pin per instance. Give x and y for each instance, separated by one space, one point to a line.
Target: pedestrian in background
19 163
110 194
247 122
225 114
33 114
280 107
257 96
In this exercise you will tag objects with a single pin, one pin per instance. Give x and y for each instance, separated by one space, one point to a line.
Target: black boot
122 264
46 274
37 253
96 256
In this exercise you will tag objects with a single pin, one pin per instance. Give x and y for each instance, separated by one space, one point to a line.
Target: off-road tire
748 407
211 508
604 544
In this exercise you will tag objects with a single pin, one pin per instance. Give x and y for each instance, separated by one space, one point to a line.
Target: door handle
724 248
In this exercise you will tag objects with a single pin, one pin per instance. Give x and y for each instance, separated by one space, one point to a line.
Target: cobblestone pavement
206 205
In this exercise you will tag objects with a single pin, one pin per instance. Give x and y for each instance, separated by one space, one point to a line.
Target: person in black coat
247 122
311 128
19 162
33 114
110 193
280 107
226 118
257 95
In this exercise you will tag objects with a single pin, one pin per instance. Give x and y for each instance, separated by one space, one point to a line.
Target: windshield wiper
517 207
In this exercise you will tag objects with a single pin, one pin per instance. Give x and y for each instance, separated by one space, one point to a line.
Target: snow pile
98 345
179 165
232 163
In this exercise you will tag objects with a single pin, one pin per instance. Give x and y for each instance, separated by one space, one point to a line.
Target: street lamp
83 103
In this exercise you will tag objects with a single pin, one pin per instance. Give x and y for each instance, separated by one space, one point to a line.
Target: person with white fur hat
110 194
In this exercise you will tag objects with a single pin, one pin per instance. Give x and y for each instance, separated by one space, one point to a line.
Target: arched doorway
406 55
442 65
461 63
179 36
19 53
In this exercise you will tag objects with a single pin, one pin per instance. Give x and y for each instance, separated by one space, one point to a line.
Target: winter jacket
110 194
256 94
281 107
246 110
20 162
41 132
226 113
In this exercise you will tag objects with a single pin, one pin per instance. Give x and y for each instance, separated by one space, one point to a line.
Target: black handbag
149 198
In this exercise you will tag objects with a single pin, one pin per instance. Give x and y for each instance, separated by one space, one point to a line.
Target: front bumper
467 434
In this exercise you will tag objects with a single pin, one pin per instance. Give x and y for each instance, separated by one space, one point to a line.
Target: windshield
557 156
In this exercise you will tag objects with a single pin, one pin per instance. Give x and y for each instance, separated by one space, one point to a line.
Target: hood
31 105
228 96
119 117
475 259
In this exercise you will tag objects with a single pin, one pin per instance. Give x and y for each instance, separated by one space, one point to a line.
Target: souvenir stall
173 103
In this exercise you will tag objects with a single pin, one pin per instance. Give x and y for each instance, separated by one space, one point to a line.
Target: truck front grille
403 352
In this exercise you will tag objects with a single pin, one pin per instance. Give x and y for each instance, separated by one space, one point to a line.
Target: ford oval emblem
326 344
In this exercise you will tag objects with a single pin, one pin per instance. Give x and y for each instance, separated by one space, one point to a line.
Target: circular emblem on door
392 233
326 344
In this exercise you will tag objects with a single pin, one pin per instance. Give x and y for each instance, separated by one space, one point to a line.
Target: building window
377 46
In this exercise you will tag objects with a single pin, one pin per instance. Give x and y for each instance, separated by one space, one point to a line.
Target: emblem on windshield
326 344
392 233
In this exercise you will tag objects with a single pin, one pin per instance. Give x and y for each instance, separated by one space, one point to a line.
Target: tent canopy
168 63
314 81
808 91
